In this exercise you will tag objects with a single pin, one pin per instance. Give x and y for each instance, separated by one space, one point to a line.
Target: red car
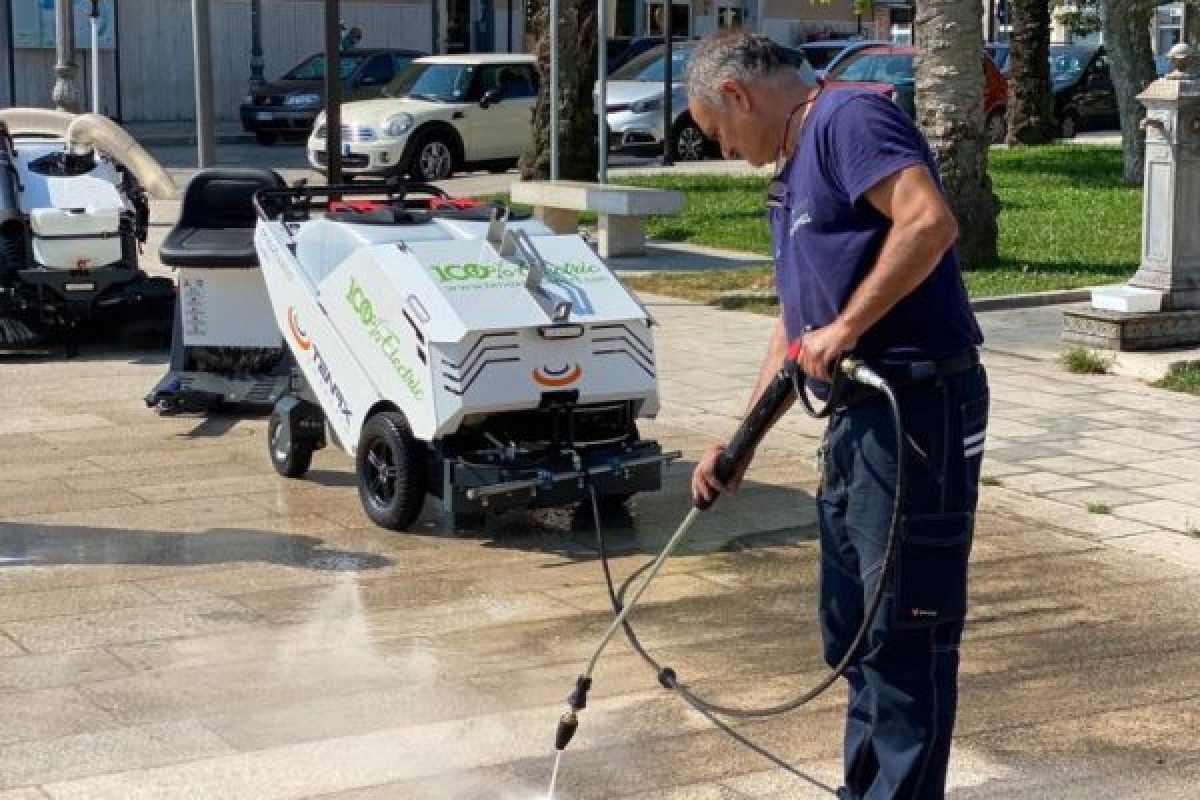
890 69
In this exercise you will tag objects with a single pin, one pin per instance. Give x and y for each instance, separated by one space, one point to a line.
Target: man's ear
734 95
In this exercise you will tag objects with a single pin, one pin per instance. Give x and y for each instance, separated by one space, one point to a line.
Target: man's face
739 125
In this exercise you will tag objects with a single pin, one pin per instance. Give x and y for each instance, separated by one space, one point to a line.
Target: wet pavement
176 621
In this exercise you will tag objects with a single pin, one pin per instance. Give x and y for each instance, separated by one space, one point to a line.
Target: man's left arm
923 229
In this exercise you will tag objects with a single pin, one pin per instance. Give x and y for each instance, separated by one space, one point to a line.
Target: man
865 264
351 38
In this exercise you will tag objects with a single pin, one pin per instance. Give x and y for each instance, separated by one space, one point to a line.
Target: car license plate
264 116
80 287
346 151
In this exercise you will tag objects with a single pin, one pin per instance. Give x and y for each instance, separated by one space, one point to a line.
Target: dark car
1083 89
290 104
891 70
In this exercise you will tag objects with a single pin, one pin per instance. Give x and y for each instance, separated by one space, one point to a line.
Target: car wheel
690 142
390 465
290 461
996 127
433 159
266 138
1068 126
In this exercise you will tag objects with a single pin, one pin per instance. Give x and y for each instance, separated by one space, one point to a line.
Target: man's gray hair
743 57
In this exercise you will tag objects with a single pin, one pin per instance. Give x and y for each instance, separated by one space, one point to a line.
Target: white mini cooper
441 114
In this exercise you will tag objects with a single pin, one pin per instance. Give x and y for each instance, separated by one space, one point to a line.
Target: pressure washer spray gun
789 381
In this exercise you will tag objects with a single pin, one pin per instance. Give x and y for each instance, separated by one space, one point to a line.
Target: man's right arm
705 485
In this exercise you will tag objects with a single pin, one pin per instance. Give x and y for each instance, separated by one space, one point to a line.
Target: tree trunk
950 113
577 153
1030 101
1127 39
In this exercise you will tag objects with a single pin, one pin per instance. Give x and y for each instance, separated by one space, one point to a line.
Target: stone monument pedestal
1160 307
1128 331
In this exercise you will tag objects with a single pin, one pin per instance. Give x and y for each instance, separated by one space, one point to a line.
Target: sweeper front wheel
290 457
390 465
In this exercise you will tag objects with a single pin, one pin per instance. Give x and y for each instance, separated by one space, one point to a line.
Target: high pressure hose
787 380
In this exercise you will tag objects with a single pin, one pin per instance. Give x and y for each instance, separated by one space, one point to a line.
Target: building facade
1166 29
789 22
146 53
150 46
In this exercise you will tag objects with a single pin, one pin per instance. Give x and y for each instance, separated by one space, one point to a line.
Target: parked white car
440 115
635 104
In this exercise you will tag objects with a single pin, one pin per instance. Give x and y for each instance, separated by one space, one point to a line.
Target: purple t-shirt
827 236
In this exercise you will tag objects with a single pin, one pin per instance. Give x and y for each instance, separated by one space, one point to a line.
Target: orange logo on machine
556 379
297 332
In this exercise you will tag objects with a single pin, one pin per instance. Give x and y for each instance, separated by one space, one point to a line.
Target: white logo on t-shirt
802 219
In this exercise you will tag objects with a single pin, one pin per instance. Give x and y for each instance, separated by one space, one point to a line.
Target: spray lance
787 382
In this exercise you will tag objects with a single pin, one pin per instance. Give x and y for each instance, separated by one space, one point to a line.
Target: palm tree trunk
1030 101
577 151
950 113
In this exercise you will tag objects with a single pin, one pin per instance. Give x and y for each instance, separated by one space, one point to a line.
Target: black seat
216 226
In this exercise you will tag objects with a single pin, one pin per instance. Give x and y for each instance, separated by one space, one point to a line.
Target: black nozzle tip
667 678
567 725
578 698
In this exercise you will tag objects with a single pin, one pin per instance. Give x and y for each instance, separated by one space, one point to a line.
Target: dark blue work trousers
903 679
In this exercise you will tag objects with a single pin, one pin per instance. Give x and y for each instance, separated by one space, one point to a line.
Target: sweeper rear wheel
290 460
390 465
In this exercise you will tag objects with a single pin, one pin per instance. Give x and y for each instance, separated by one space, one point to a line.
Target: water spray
788 382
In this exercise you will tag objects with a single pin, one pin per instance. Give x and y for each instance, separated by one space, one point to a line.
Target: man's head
740 88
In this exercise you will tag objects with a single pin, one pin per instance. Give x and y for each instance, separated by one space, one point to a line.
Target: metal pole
668 87
333 94
554 98
202 67
117 54
95 15
256 51
66 93
511 6
602 93
11 47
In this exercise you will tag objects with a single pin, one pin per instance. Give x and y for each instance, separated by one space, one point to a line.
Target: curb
739 298
189 140
1008 302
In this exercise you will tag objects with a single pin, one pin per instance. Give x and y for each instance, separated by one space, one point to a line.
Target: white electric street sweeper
453 351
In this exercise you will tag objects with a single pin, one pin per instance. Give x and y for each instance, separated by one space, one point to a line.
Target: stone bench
622 210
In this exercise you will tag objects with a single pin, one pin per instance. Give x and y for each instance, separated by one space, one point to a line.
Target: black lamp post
66 92
668 87
256 51
333 94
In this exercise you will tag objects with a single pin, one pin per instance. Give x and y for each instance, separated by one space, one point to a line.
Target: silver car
635 104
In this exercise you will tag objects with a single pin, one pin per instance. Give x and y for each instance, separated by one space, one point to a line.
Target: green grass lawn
1066 221
1183 378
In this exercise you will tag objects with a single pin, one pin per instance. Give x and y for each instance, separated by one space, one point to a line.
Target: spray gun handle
744 441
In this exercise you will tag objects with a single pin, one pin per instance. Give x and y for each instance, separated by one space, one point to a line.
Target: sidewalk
178 622
1057 443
